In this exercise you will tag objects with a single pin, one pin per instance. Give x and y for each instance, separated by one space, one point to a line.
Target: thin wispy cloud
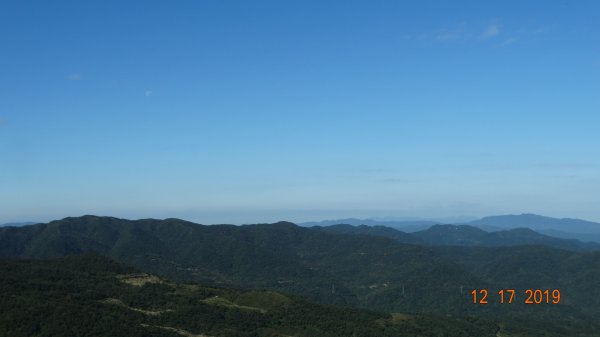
74 77
3 122
492 30
148 93
466 32
452 34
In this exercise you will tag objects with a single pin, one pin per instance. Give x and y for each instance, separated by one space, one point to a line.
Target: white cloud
74 77
148 93
469 32
491 31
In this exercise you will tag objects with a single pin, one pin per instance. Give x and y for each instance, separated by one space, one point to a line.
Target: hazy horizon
220 111
254 218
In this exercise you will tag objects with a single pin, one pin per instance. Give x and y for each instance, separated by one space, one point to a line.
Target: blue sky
248 111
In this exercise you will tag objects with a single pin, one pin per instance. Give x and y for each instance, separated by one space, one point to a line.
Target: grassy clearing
139 280
115 301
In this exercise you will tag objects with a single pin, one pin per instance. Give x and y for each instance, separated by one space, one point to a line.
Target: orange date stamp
531 296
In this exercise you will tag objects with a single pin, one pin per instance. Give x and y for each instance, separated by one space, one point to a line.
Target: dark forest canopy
94 296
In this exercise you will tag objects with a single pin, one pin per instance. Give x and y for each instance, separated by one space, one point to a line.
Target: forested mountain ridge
465 235
376 230
326 267
344 269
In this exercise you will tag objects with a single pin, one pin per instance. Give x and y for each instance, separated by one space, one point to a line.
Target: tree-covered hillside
326 267
94 296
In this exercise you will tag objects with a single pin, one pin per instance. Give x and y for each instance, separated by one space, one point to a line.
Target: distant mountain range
562 228
465 235
336 266
382 231
17 224
404 225
536 222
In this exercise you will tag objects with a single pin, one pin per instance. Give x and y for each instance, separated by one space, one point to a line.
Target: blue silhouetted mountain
383 231
561 228
403 225
465 235
564 228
